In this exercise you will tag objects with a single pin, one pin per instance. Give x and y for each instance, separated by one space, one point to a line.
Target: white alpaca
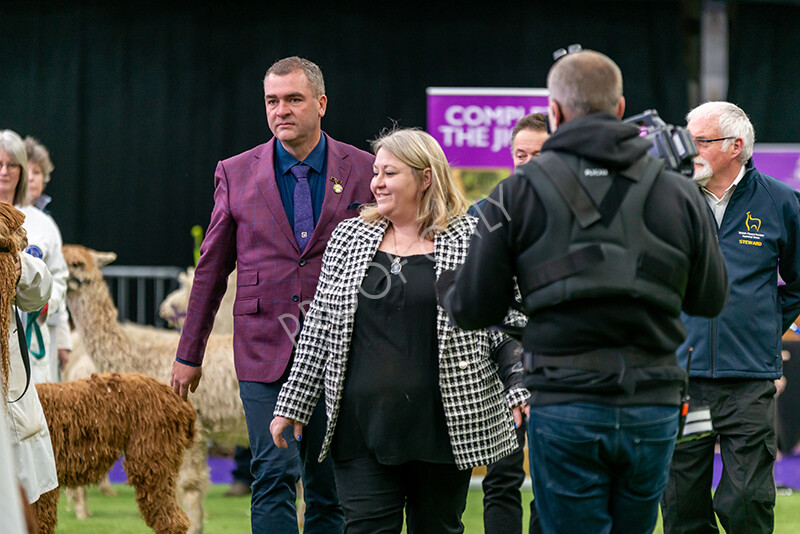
149 350
173 310
174 306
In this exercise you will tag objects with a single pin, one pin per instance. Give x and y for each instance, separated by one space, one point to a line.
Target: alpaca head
13 240
174 306
84 265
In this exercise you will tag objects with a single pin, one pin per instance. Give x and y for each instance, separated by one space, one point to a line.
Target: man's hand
780 385
277 426
185 378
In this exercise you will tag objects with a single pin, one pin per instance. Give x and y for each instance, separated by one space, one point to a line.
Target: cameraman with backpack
607 248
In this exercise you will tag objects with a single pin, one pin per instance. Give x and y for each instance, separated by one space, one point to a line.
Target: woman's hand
278 425
517 412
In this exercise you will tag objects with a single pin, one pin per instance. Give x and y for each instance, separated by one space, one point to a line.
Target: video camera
671 143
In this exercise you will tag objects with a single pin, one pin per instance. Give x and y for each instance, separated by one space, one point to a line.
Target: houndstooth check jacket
478 417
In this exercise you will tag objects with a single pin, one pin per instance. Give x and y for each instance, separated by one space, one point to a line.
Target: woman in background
44 242
413 403
39 168
27 286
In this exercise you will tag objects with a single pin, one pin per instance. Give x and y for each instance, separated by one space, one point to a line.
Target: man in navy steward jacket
607 248
737 356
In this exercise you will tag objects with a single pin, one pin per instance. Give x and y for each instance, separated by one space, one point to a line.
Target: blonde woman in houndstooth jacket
413 402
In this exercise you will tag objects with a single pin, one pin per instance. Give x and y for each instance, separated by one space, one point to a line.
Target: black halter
23 346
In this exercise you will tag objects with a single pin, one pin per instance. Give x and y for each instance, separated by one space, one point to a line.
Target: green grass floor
231 515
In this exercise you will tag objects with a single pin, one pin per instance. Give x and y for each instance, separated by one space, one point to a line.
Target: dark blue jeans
598 468
276 471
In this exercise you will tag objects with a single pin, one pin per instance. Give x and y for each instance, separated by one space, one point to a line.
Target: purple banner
473 125
780 161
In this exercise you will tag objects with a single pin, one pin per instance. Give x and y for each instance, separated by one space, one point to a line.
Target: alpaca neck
95 317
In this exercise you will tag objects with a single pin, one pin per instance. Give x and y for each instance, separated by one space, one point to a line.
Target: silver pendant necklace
396 266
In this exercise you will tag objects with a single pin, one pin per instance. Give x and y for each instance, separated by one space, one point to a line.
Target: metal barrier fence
139 291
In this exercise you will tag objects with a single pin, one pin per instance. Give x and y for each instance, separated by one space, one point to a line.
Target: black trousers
743 414
374 496
502 501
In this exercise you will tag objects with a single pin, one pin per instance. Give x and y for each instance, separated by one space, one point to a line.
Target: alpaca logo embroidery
753 224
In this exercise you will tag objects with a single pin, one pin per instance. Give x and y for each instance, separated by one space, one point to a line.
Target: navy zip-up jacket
759 239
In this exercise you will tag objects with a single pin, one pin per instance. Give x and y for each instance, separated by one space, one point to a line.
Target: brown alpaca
151 351
28 512
95 421
12 240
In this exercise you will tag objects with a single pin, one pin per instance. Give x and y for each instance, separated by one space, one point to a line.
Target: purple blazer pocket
247 278
245 306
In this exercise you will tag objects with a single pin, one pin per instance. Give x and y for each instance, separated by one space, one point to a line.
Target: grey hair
732 121
585 82
313 73
13 144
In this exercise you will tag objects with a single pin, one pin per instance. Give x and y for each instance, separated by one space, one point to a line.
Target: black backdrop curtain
764 67
138 101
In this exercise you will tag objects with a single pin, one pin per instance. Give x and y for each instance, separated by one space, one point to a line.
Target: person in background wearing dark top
502 500
607 248
275 207
413 403
39 168
737 356
527 138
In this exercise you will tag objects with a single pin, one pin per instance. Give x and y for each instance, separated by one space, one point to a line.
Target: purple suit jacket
249 231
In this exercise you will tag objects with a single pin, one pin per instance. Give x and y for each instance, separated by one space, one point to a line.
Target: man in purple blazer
275 207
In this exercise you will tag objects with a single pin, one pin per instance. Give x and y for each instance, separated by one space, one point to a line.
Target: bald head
586 82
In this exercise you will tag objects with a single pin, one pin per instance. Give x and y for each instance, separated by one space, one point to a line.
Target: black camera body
673 144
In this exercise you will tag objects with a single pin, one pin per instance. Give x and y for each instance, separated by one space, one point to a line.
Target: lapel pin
337 185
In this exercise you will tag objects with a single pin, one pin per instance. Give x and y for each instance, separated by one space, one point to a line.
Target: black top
391 403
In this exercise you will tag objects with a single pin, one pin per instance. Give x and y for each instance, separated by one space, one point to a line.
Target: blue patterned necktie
303 211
